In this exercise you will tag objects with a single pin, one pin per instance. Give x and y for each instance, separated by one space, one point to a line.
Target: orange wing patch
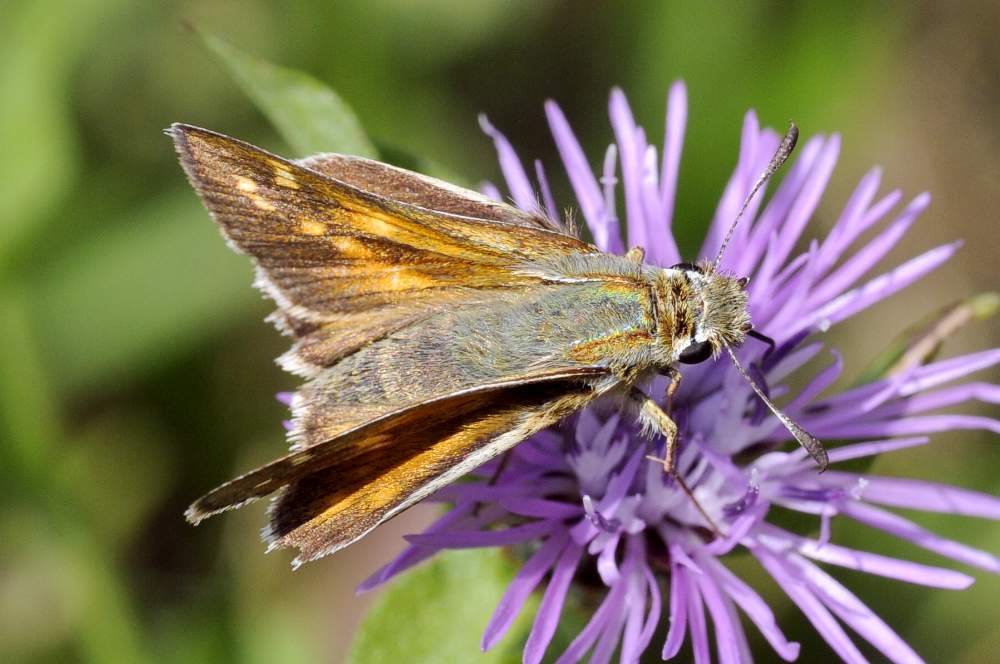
325 247
374 444
418 190
429 447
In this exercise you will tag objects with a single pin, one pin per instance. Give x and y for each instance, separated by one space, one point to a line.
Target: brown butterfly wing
379 468
373 287
326 248
429 447
422 191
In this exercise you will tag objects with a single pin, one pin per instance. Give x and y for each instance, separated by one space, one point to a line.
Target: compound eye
696 352
687 267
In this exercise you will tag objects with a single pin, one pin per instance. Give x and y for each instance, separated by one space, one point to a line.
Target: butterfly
436 328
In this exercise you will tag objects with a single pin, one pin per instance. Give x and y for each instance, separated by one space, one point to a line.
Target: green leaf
309 115
920 343
437 613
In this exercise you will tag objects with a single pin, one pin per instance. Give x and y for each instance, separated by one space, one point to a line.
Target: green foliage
437 613
920 343
310 116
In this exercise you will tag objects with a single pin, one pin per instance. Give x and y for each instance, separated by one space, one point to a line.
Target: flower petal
678 608
673 143
858 264
817 384
807 200
631 149
546 191
469 539
696 618
859 214
513 171
611 634
871 563
513 484
756 608
581 177
905 426
728 633
937 373
798 460
853 611
861 450
737 187
922 495
612 605
765 227
639 625
811 607
879 288
540 508
984 392
550 609
906 529
607 565
653 617
528 577
661 249
922 378
413 555
620 482
490 190
613 231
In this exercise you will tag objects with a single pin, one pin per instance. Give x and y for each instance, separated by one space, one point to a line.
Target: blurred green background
135 371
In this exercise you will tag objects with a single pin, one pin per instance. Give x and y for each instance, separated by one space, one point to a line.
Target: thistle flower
582 498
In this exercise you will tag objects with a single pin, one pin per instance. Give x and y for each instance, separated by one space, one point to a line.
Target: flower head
583 498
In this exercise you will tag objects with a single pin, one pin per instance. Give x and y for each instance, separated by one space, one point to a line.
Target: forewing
375 470
398 184
326 248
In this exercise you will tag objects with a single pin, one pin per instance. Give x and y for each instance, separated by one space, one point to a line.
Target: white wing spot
310 227
245 184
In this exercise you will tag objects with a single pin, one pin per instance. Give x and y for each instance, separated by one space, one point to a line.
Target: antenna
780 156
808 442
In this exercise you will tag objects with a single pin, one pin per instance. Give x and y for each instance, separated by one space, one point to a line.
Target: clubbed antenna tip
808 442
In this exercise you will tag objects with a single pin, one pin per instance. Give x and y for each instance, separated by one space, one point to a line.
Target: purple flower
582 502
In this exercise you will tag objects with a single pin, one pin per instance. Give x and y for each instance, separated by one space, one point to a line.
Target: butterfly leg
675 382
502 466
494 478
654 418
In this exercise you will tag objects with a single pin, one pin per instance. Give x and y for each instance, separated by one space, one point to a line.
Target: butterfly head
715 310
